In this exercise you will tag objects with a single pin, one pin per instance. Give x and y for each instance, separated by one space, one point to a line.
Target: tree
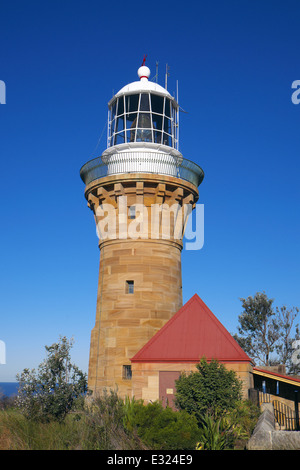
52 390
211 389
284 348
265 332
258 328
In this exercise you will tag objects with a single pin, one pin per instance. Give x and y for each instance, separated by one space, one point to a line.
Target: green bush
243 419
230 431
162 428
211 389
215 434
55 388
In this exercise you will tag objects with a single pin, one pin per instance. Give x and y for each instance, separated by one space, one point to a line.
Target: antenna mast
177 124
167 75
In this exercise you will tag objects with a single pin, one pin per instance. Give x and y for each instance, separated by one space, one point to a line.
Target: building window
129 287
127 373
132 212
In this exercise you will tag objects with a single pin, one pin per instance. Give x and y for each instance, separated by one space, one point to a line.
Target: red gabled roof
192 333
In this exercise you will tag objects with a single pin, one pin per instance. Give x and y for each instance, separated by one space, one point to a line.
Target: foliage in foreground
212 389
230 431
98 426
213 395
215 434
51 412
109 423
53 390
162 428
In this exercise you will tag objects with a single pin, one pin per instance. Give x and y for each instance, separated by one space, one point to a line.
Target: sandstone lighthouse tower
137 191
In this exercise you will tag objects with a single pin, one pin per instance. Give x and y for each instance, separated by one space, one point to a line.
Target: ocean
8 388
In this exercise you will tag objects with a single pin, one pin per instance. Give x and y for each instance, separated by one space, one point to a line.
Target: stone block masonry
265 437
140 282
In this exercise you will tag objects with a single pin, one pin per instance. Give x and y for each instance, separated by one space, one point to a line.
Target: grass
92 429
19 433
102 426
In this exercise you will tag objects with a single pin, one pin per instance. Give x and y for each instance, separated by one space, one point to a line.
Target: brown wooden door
167 387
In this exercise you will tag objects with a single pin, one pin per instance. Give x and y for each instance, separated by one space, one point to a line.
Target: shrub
230 431
162 428
215 434
211 389
6 402
52 391
104 419
243 419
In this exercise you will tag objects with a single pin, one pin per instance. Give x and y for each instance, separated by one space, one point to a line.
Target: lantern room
143 111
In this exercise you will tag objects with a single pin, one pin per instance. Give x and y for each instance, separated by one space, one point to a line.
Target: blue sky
61 61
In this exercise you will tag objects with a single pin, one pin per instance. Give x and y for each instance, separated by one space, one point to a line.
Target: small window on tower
127 373
129 287
131 212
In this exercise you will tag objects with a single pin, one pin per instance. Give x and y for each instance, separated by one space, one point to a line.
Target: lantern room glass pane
131 120
144 103
113 111
167 140
144 121
157 104
120 124
143 135
167 108
167 126
120 107
131 103
131 135
157 137
142 117
120 138
157 121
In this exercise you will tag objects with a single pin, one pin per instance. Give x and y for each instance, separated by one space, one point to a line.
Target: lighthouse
141 191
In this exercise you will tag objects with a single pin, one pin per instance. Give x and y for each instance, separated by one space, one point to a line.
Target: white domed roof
143 85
